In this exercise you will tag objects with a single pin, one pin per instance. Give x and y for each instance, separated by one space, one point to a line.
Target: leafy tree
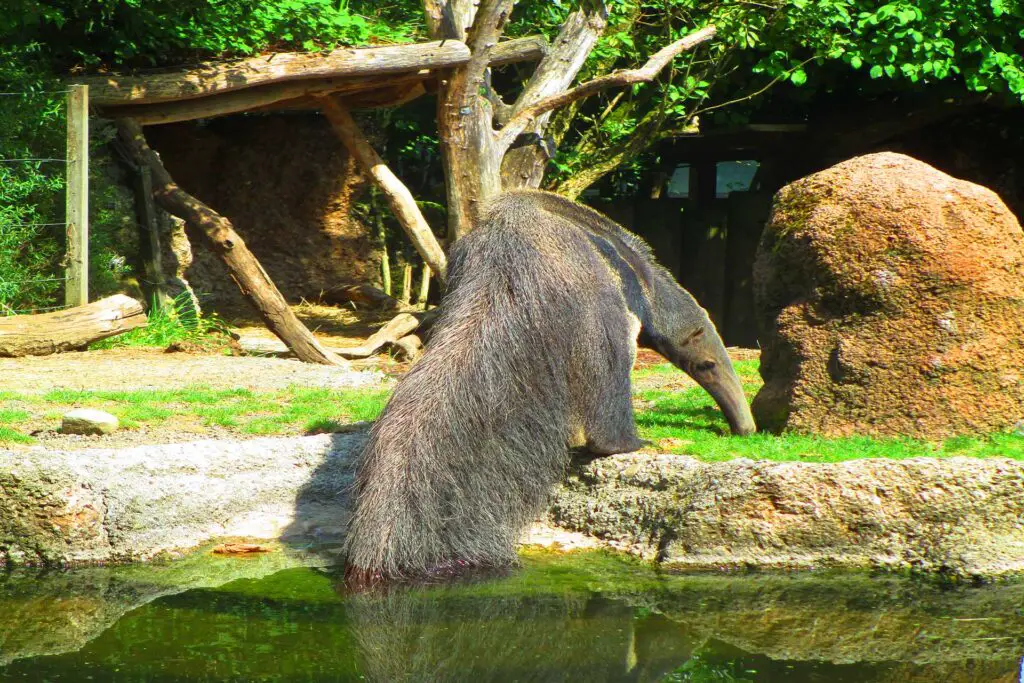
970 46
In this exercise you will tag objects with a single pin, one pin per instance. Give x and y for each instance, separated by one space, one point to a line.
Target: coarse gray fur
531 353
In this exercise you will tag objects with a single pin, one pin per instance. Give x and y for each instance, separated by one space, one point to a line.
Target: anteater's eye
706 366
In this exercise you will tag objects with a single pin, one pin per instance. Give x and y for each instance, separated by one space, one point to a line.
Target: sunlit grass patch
294 410
690 423
675 421
9 435
12 415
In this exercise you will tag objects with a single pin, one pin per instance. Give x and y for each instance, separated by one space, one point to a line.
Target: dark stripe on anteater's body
532 348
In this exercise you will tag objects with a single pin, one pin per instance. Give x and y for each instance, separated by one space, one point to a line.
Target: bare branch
647 72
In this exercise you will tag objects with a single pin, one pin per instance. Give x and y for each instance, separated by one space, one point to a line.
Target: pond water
589 618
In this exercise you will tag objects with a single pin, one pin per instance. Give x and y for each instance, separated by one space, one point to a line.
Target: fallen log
69 329
411 347
363 295
396 328
242 265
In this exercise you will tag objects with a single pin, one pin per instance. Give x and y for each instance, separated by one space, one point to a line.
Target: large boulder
890 299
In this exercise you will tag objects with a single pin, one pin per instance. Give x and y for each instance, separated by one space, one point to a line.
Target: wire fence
34 226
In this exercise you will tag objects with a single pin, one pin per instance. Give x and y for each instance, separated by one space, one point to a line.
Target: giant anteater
531 353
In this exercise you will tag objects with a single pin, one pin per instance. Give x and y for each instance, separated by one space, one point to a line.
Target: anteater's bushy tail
474 436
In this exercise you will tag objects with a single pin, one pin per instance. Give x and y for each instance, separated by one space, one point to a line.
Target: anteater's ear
693 336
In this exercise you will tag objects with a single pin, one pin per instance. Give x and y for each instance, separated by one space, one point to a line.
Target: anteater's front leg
606 408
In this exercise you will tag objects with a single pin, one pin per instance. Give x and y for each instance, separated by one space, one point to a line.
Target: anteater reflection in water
531 353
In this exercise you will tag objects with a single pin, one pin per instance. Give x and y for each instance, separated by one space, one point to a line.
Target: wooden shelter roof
365 77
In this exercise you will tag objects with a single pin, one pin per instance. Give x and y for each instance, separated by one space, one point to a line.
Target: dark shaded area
287 185
708 239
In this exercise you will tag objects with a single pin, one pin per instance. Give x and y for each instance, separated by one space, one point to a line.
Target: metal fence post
76 291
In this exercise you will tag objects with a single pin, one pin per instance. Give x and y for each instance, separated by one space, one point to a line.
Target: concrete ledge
963 517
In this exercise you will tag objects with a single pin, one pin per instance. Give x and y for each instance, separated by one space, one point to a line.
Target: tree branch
524 166
647 72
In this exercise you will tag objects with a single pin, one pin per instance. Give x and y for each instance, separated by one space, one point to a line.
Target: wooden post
406 284
76 289
421 297
155 284
385 260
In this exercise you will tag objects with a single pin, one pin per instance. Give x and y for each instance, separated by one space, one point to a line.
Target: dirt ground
129 369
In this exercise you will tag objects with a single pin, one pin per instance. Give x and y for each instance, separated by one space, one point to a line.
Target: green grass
683 422
294 410
689 423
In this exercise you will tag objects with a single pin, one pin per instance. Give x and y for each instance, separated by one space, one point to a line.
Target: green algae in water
583 617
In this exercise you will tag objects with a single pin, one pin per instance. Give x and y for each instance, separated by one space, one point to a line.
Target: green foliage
178 323
976 42
31 192
136 33
854 46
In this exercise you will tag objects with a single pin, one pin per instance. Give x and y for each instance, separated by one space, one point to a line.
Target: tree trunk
245 270
154 285
472 162
70 329
524 165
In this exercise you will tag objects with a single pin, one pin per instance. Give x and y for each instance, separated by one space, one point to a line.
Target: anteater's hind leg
607 410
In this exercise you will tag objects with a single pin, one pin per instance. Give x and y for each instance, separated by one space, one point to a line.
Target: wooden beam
257 98
332 70
245 270
76 285
217 78
70 329
401 201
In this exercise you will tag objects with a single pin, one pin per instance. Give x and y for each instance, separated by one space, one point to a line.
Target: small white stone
88 421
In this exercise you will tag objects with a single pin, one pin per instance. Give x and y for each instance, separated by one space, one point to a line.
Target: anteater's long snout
727 391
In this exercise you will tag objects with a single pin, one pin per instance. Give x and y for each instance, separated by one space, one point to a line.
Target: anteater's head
679 329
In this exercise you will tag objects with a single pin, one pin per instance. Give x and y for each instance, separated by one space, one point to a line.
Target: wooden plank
70 329
76 290
256 98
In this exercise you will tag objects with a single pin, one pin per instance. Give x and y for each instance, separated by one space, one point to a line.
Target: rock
890 298
959 517
103 505
88 421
